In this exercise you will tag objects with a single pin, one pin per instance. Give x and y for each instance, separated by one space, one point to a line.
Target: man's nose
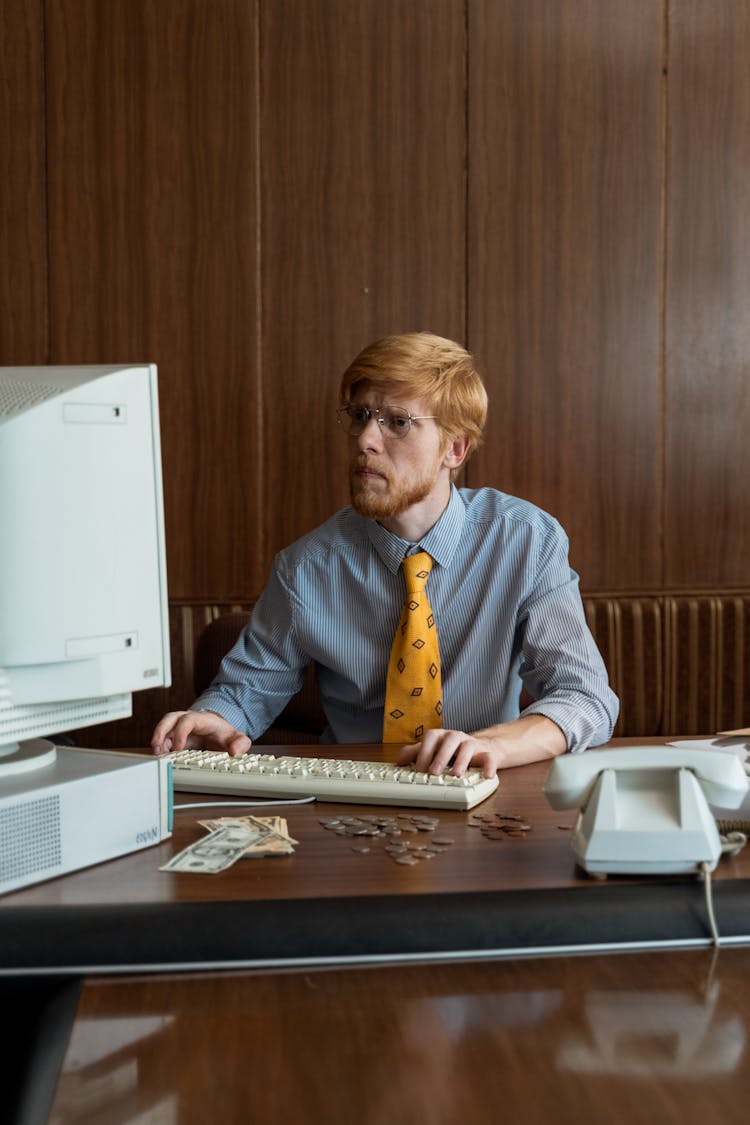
372 435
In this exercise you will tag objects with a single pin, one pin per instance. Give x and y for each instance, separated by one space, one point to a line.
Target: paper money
274 838
215 852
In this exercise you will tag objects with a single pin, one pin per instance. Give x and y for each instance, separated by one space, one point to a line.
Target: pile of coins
496 826
391 828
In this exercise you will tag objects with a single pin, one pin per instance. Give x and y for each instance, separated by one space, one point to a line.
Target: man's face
388 474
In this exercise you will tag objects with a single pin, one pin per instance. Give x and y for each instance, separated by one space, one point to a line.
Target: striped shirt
505 600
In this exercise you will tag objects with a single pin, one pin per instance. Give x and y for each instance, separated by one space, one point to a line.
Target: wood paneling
707 649
707 397
247 193
23 222
152 186
629 633
363 174
564 269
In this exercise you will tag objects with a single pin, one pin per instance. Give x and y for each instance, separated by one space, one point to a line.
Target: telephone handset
644 809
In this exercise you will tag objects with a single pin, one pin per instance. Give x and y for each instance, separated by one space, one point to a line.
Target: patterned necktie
413 693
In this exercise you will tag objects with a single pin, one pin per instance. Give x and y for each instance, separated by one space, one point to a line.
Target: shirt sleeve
263 669
561 667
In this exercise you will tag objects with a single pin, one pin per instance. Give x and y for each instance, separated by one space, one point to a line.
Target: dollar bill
215 852
274 838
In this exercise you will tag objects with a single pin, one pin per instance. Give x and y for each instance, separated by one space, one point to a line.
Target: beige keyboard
327 779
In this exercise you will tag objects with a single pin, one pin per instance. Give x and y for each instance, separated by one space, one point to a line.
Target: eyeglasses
394 421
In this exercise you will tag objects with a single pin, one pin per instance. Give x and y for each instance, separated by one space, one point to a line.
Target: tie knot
416 571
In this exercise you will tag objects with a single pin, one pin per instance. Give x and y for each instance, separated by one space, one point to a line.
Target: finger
466 755
408 753
478 756
161 742
238 744
186 733
436 753
422 752
412 751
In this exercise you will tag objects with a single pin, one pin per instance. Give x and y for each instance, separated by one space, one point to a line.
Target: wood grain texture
23 221
707 390
248 193
324 866
363 188
152 187
564 269
629 633
657 1037
707 662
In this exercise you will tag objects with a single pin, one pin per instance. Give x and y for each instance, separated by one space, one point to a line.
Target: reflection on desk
650 1037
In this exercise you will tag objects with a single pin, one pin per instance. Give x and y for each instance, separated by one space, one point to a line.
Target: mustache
362 461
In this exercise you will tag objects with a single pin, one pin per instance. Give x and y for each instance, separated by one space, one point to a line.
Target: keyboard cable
245 804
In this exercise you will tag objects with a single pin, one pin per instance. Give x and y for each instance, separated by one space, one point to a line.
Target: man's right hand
190 730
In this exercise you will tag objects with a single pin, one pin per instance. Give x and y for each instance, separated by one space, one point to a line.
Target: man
499 590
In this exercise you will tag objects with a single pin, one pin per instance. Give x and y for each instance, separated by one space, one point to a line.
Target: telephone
644 809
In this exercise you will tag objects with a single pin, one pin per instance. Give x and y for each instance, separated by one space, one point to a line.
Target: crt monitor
83 589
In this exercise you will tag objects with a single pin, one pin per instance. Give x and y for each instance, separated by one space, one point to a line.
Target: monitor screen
83 588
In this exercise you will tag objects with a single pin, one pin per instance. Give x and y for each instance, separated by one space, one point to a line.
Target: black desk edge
215 934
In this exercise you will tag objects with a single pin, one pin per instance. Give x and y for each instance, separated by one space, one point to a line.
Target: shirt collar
440 541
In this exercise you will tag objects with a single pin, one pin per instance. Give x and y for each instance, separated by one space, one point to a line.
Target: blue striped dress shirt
508 613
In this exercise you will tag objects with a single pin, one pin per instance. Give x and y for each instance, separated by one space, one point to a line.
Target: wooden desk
328 902
660 1038
449 1006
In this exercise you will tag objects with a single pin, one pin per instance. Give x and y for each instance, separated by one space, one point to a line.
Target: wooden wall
245 192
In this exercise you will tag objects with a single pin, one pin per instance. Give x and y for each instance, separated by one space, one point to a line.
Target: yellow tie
413 693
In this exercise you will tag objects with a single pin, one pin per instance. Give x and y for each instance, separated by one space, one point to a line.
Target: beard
392 498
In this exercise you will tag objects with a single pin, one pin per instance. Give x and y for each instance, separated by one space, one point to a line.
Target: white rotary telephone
644 809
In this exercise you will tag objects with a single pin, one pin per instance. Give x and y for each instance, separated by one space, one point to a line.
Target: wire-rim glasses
394 421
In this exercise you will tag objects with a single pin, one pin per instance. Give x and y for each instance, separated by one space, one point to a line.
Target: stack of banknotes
228 839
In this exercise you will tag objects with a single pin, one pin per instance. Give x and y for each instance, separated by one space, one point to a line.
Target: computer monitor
83 586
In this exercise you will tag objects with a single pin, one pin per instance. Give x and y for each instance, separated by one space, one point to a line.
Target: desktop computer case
88 806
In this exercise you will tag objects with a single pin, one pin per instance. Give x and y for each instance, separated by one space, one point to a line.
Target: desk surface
644 1037
447 1018
328 902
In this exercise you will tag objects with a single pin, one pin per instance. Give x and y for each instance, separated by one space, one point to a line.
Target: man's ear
456 452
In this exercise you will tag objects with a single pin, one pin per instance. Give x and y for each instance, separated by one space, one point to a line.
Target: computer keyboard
327 779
